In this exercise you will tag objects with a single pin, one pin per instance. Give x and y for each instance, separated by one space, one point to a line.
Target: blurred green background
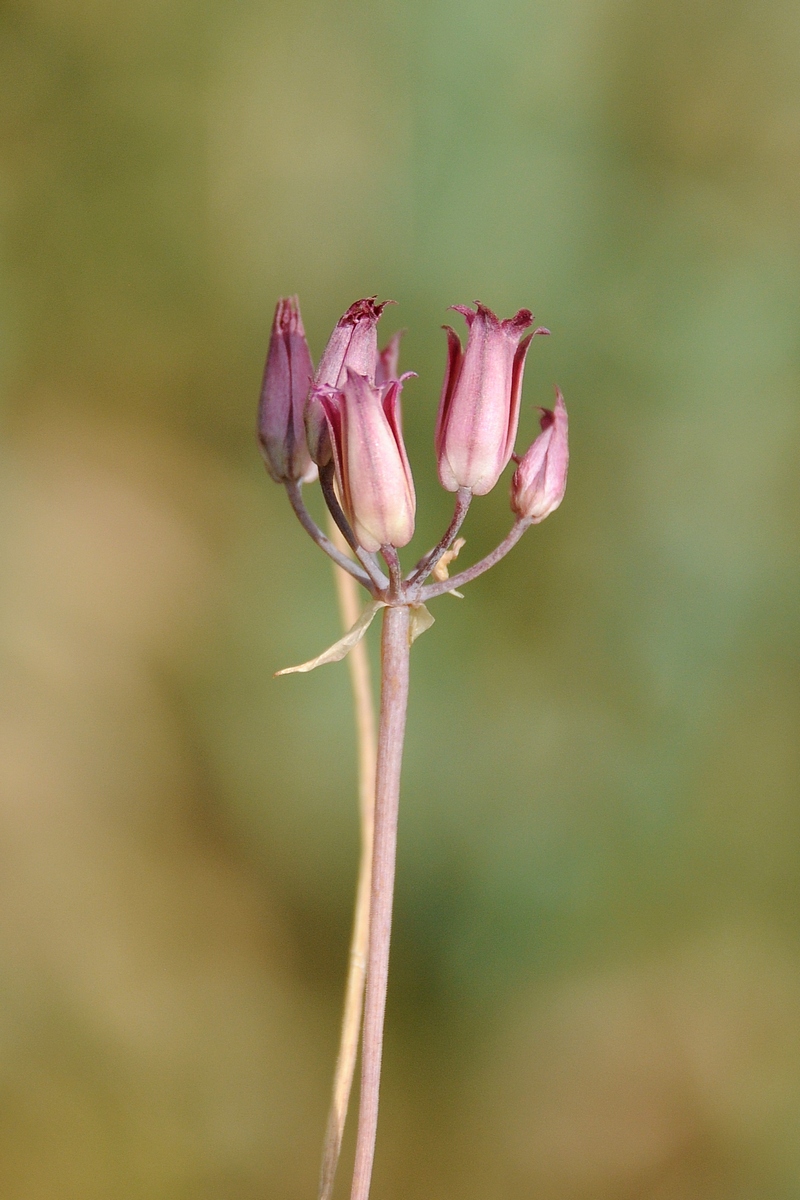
595 987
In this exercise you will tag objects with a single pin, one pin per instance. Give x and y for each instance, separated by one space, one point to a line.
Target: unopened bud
387 366
540 480
287 378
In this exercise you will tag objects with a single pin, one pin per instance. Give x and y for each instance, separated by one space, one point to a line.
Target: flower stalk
428 562
395 647
479 568
361 687
335 553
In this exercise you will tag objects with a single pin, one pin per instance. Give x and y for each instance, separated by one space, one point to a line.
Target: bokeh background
595 986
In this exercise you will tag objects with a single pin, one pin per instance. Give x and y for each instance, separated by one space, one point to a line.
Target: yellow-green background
595 987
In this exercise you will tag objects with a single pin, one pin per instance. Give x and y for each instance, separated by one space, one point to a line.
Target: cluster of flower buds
345 421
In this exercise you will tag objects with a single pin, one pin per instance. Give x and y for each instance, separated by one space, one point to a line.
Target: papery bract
479 408
287 377
372 470
353 344
539 482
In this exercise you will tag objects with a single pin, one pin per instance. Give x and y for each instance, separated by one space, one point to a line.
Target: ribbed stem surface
394 701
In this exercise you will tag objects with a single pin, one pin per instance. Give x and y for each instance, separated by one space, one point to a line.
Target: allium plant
343 423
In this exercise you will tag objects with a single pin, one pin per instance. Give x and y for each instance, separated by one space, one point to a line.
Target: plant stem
429 561
361 685
326 482
295 494
509 541
395 571
394 701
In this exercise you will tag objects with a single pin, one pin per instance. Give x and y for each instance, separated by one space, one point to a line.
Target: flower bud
287 378
388 359
372 471
479 409
353 344
539 482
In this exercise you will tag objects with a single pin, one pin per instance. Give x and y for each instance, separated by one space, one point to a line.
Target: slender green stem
394 701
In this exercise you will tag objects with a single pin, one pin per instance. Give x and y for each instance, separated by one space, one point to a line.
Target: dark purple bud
287 378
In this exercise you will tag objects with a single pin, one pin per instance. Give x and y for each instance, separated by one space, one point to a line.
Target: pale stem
394 701
295 494
426 564
485 564
361 685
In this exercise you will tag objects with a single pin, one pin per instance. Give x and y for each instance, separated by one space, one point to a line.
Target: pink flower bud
353 344
540 480
479 409
287 378
388 359
372 472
